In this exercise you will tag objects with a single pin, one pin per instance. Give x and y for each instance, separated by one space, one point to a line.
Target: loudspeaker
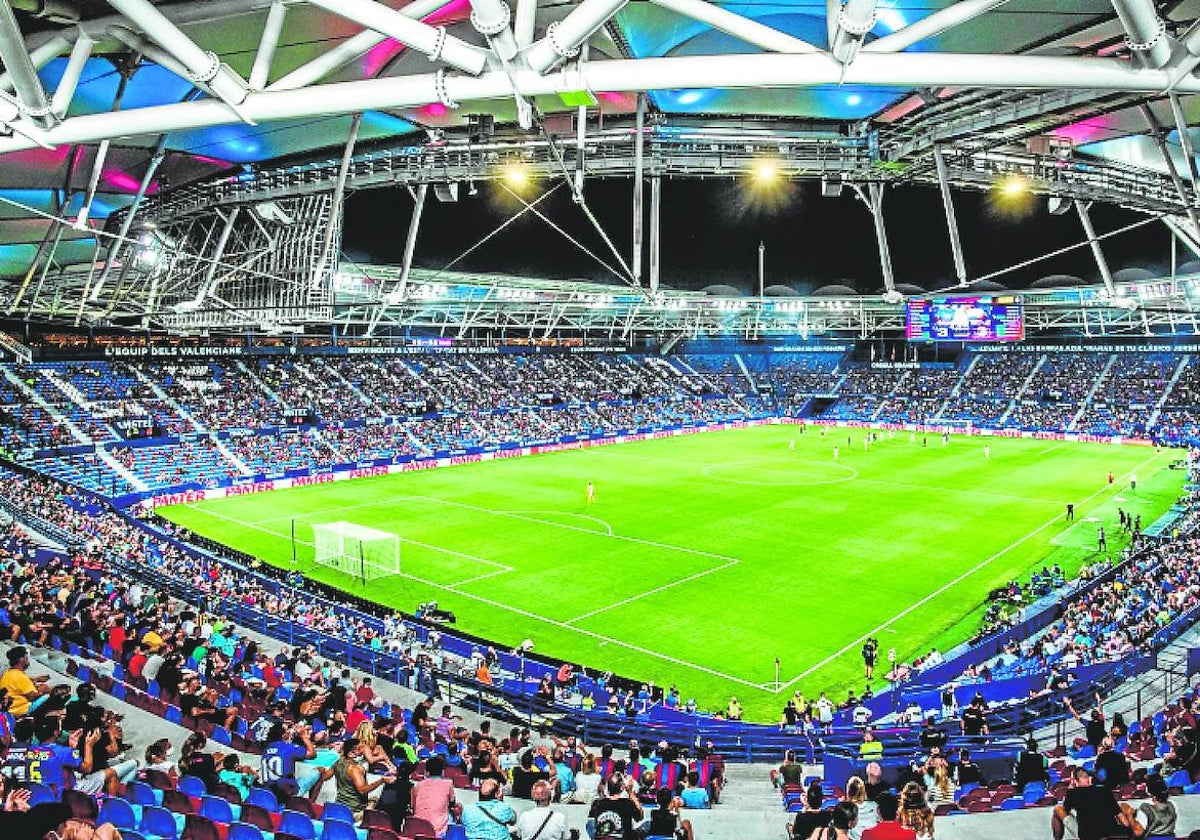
831 186
446 192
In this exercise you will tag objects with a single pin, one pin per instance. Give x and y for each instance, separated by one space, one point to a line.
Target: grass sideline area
706 556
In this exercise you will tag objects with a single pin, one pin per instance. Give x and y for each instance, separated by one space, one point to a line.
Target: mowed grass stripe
820 564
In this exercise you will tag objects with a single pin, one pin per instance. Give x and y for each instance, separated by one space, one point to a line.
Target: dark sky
711 230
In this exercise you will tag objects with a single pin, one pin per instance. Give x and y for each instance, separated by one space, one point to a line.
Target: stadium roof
217 106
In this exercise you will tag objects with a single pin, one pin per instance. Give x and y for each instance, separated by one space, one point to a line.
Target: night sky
711 230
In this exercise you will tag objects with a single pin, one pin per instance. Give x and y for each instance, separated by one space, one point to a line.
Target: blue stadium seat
244 831
118 812
298 825
264 798
216 809
161 823
192 786
337 811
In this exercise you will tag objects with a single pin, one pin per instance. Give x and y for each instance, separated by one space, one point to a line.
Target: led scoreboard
977 318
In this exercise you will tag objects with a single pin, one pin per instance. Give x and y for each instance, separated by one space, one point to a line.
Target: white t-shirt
532 820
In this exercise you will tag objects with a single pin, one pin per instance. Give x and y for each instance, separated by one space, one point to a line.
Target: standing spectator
694 795
1112 767
915 813
811 816
1031 766
664 819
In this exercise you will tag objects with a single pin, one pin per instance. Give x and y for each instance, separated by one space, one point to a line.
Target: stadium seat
217 809
118 812
297 824
416 827
244 831
140 793
160 823
337 811
338 830
373 818
192 786
264 798
178 802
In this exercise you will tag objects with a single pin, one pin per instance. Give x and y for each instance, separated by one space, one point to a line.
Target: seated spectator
1096 811
27 693
433 797
237 775
887 806
525 774
1157 817
617 813
856 792
540 823
811 817
587 782
1112 767
915 813
694 795
665 820
490 817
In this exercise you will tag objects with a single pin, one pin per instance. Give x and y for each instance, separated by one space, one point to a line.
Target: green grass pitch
706 556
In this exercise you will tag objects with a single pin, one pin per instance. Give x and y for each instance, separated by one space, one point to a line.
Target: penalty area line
949 585
526 613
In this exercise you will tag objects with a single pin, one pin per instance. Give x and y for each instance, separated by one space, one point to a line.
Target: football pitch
704 557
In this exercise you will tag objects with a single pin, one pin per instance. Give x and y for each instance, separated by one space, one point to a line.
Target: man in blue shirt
279 768
491 816
566 776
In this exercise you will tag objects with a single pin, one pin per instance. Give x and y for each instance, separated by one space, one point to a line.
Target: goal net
360 552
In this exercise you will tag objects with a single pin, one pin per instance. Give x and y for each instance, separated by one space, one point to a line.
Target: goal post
356 550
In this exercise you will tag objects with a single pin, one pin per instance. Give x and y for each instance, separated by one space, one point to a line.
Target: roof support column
65 92
272 29
655 211
742 28
564 37
1097 251
873 198
339 192
410 247
160 152
639 189
931 25
960 268
854 20
1185 139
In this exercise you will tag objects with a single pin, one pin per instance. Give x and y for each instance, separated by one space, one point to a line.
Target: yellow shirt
17 683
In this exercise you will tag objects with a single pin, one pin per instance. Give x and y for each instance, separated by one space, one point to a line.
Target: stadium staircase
1170 387
737 357
55 414
1086 403
333 373
1012 403
957 389
884 401
188 418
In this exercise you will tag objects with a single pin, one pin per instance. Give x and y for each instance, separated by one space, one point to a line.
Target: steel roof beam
15 57
564 37
631 75
853 22
203 66
1146 34
433 42
931 25
745 29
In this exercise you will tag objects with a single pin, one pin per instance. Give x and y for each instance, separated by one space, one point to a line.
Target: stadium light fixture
516 175
1013 185
766 171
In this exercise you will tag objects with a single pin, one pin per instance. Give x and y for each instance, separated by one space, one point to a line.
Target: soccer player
987 452
591 493
945 438
1101 540
1070 511
1111 477
792 445
835 453
1133 482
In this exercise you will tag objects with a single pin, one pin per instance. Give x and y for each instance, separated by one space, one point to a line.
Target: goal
356 550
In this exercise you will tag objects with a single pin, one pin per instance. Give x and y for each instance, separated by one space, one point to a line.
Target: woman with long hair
942 791
915 812
377 758
856 792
